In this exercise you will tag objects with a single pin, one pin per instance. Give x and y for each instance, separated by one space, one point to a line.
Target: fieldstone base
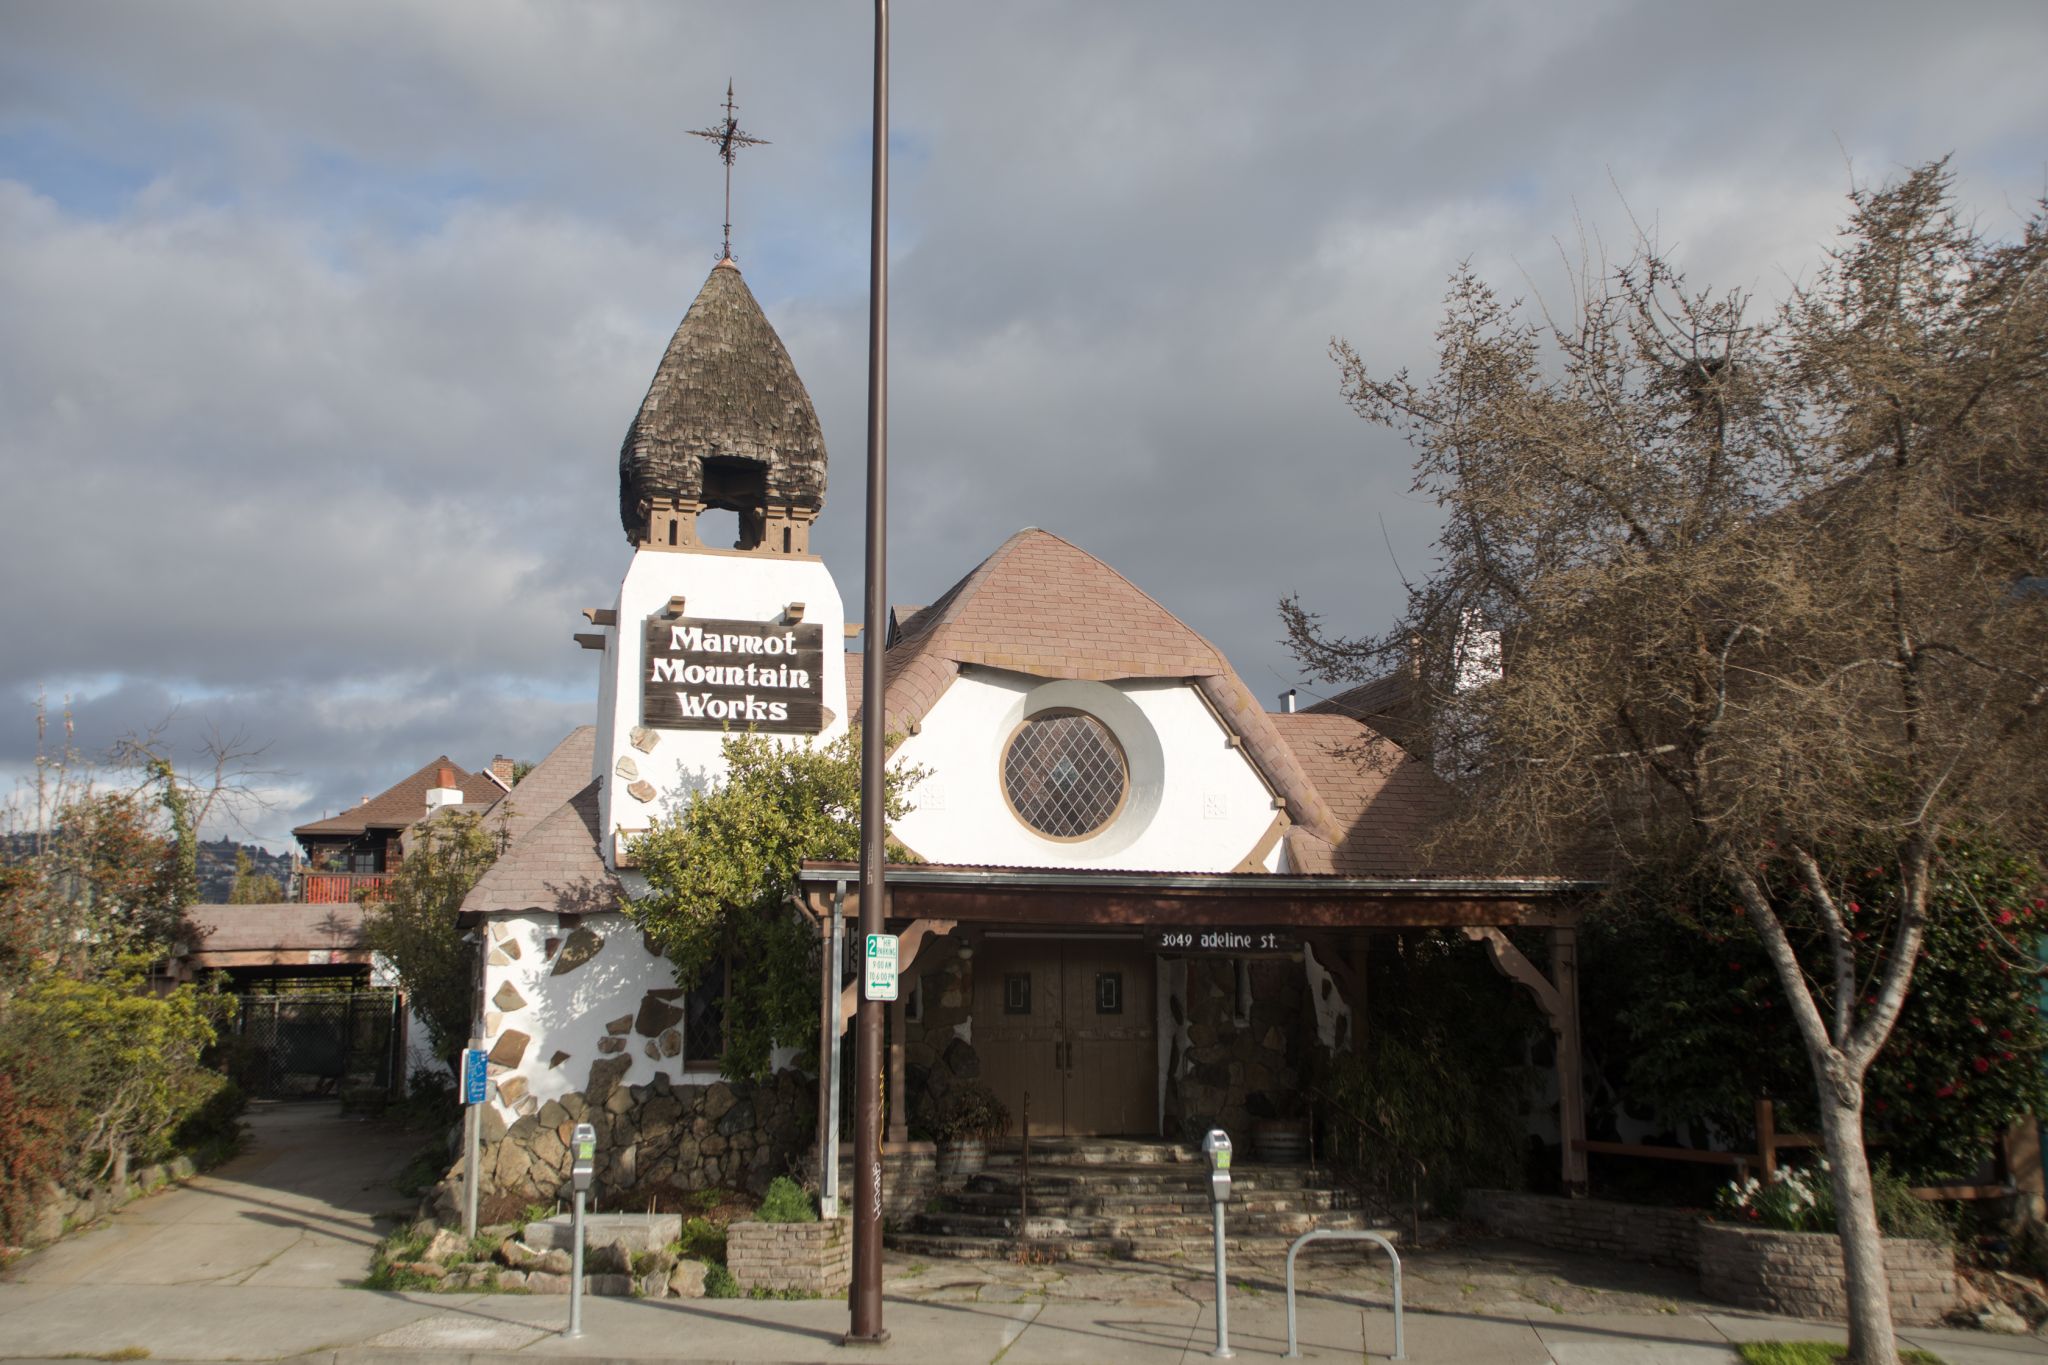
804 1258
1637 1232
1799 1274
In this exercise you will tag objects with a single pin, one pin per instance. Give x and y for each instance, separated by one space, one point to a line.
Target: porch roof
1074 897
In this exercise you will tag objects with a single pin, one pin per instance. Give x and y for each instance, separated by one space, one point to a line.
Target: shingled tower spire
706 639
725 424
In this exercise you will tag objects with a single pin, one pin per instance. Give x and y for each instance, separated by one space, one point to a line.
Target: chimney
444 792
501 768
1287 701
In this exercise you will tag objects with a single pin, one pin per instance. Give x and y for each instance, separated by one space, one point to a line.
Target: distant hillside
216 863
217 868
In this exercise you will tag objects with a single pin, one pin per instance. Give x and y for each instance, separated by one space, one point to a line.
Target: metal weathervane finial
729 139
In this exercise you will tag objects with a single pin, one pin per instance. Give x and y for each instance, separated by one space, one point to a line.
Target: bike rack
1343 1235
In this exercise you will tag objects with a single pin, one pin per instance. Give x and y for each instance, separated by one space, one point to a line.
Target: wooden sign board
705 674
1236 942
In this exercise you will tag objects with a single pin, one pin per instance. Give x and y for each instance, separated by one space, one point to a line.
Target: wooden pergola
1332 915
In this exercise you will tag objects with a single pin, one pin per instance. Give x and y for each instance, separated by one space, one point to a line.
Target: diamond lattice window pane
1064 774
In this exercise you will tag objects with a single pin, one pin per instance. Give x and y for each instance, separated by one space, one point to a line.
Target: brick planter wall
1800 1273
809 1258
1637 1232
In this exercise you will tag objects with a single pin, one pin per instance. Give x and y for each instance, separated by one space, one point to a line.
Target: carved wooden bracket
1510 963
908 945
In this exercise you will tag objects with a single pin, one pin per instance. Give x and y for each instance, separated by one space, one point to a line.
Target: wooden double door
1074 1023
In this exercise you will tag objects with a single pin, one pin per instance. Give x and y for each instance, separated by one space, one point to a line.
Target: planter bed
1799 1274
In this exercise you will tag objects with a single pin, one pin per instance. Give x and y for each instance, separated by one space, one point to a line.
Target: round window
1064 774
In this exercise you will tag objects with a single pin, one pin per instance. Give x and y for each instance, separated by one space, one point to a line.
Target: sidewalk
256 1261
356 1327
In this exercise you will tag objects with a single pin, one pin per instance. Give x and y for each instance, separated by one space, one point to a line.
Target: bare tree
1770 588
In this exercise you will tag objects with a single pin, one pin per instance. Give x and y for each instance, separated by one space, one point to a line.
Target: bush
113 1071
1795 1200
720 1284
33 1147
969 1111
786 1202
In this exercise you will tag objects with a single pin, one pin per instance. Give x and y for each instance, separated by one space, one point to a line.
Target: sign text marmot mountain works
713 675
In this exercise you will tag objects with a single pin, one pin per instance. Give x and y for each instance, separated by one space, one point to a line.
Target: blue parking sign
474 1075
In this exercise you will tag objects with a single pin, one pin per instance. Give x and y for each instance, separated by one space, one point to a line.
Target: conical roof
725 389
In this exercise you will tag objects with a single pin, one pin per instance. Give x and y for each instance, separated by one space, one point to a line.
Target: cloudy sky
320 323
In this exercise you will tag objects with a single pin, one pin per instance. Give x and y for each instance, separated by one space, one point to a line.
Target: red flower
2005 1056
1976 1023
1945 1092
1983 1064
1854 908
1735 966
2005 1035
2005 917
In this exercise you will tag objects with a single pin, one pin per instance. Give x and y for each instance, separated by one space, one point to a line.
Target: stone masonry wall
1800 1273
938 1051
662 1136
806 1258
1237 1044
1630 1231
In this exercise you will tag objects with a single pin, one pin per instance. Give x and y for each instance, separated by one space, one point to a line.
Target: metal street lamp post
864 1301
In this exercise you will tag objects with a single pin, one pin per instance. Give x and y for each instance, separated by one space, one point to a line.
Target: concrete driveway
296 1210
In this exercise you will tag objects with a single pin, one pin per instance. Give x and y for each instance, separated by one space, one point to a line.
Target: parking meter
582 1166
1216 1147
583 1157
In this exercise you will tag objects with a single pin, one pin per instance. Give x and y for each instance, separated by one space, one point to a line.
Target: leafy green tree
251 887
1681 999
722 871
413 925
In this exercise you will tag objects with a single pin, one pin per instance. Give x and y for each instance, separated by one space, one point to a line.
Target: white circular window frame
1146 760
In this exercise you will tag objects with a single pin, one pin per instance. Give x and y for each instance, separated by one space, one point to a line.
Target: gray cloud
320 324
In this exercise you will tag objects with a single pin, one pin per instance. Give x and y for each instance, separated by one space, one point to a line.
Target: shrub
1796 1200
720 1284
33 1130
786 1202
970 1111
95 1072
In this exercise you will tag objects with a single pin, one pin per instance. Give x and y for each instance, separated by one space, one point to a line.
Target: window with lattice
1064 774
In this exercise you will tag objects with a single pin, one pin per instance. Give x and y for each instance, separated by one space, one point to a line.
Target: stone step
1166 1227
636 1231
1054 1175
1100 1151
1190 1207
1182 1250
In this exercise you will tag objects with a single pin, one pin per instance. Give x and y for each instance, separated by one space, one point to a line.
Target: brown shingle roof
405 803
555 869
1043 606
725 388
1384 801
241 928
1384 703
555 779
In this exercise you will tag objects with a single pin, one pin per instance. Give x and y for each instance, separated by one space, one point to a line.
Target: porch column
899 1119
1571 1083
1558 995
1356 961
